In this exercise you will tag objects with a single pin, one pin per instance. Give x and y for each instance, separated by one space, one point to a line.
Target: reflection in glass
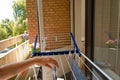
107 36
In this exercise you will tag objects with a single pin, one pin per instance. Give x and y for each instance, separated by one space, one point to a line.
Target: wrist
36 60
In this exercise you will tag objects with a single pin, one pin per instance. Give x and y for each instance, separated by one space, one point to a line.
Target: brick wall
56 18
32 19
56 14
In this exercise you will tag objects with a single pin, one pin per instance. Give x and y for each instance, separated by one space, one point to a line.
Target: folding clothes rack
75 70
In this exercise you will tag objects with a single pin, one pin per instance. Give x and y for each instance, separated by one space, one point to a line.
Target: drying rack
72 58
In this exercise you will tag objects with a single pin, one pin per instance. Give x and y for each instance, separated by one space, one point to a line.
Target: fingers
46 61
53 62
49 66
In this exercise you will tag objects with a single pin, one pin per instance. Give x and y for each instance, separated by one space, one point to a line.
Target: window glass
107 36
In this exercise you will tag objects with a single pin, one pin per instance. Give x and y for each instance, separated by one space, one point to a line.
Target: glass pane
106 37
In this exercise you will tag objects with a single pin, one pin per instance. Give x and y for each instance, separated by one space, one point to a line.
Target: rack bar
35 43
95 66
54 53
75 44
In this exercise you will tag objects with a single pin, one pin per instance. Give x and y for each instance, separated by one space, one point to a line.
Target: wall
32 19
80 28
56 20
80 22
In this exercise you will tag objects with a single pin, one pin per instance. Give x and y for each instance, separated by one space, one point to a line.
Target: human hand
46 61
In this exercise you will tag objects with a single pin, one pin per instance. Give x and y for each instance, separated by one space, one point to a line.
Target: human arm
10 70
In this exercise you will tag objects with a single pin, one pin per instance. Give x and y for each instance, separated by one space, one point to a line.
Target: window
106 36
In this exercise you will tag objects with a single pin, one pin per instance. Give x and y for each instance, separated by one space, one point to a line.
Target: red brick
56 16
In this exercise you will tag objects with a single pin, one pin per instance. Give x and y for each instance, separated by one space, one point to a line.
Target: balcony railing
13 49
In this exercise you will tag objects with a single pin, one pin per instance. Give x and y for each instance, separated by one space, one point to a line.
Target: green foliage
19 8
20 25
12 28
3 33
5 24
31 48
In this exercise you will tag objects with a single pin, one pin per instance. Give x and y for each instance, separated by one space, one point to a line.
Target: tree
20 25
19 9
3 33
10 28
5 24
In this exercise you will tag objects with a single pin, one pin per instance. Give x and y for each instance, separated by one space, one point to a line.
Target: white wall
80 22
